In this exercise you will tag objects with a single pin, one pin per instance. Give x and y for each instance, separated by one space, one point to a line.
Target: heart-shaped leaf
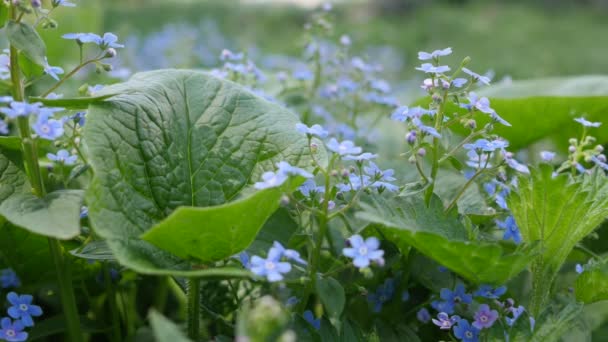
181 138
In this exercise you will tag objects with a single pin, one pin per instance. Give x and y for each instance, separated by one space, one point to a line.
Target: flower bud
284 201
106 67
412 159
437 98
314 147
344 173
36 3
411 137
110 53
334 173
572 141
421 152
466 61
50 24
572 149
599 148
472 124
601 158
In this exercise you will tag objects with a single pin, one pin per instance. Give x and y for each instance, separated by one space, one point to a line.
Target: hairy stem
194 308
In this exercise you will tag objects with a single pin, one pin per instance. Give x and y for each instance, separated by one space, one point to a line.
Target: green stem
112 303
30 156
435 164
69 75
194 308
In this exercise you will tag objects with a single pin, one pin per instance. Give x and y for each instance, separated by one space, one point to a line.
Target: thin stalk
194 308
69 75
435 164
64 275
116 334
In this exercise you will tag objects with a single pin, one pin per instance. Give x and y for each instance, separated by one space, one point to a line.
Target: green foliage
72 103
164 329
552 327
183 139
442 237
332 296
25 38
592 285
558 212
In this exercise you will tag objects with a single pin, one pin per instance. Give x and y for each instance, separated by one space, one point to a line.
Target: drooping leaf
25 38
72 103
444 238
332 296
180 138
94 250
164 329
592 285
557 212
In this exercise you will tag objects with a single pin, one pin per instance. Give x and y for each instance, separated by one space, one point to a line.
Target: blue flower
343 148
309 187
313 130
482 104
486 145
8 278
49 129
477 77
511 229
288 253
22 308
64 3
423 315
517 166
83 38
310 318
361 157
484 317
244 259
355 183
3 127
63 157
404 113
271 180
431 69
586 123
489 292
478 161
382 295
547 156
109 40
377 174
423 56
363 251
466 332
459 82
271 267
12 331
599 162
53 71
405 296
381 86
443 306
381 186
457 296
516 311
426 129
288 170
84 212
303 74
18 109
579 268
444 321
228 55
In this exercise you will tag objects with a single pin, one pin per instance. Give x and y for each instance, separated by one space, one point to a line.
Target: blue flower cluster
20 311
276 263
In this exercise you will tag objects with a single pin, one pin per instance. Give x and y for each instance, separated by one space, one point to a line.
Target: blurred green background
519 39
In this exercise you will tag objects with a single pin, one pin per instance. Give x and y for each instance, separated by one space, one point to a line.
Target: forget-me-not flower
63 157
431 69
444 321
511 229
484 317
312 130
489 292
477 77
49 129
8 278
272 267
363 252
466 332
423 56
310 318
12 331
586 123
343 148
382 295
22 308
423 315
3 127
288 253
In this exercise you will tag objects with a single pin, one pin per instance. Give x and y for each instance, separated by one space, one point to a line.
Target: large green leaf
443 238
558 212
543 108
592 285
181 138
164 329
25 38
12 178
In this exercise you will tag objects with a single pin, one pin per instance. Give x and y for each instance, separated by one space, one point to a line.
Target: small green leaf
592 285
72 103
164 329
29 68
56 215
3 13
10 143
444 238
332 296
25 38
174 157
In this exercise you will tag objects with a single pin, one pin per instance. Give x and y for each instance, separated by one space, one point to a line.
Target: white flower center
45 129
10 333
483 318
270 265
363 250
23 307
468 334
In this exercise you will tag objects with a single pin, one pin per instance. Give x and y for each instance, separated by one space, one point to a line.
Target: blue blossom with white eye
64 3
377 174
586 123
289 170
478 161
444 321
12 331
486 145
363 252
343 148
272 267
3 127
431 69
547 156
22 308
109 40
517 166
310 318
17 109
362 157
487 291
477 77
49 129
271 180
8 278
579 268
288 253
355 182
310 188
381 186
316 130
484 317
426 129
466 332
483 105
511 229
63 157
423 56
382 295
451 298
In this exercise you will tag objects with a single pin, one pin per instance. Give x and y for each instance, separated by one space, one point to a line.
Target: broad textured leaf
592 285
25 38
443 238
552 327
180 138
332 296
164 329
56 215
542 108
471 202
12 177
558 213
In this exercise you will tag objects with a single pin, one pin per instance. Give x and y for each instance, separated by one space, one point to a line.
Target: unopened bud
571 149
572 141
334 173
314 147
411 137
412 159
36 3
421 152
599 148
344 173
472 124
106 67
50 24
110 53
466 61
284 201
